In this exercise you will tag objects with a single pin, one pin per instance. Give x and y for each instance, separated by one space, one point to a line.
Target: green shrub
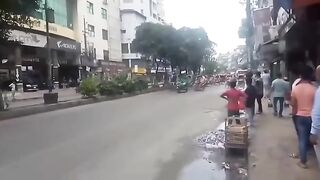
120 79
110 88
141 85
88 87
128 86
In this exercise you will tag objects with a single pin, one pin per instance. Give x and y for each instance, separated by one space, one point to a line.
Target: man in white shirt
280 89
266 82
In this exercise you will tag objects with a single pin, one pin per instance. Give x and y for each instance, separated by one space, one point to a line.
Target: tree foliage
15 14
184 48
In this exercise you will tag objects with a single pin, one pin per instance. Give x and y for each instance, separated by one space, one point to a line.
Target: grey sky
220 18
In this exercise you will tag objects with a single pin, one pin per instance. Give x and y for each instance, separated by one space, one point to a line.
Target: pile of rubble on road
212 139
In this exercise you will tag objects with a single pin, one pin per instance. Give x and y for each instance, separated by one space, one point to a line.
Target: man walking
302 98
250 101
259 91
266 82
315 129
279 90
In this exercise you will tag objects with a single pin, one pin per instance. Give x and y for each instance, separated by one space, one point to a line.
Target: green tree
15 14
153 41
185 48
196 45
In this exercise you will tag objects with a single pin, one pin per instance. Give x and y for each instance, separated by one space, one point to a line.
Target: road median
41 108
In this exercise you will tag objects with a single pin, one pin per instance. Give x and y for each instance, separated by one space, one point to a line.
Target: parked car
30 86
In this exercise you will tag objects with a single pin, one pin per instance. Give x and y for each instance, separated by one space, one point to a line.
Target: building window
106 55
104 13
37 14
128 1
104 34
91 50
132 49
91 30
125 48
90 7
123 31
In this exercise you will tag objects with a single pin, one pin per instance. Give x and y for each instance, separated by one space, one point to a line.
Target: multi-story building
99 29
133 14
29 58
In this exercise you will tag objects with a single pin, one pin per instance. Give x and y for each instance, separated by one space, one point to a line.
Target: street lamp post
49 98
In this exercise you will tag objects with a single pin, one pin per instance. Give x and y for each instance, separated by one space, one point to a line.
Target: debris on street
212 139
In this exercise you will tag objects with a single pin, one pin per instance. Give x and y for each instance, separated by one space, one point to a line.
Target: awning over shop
304 3
269 51
302 35
294 4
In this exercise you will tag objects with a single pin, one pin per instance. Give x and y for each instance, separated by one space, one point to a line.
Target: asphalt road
146 137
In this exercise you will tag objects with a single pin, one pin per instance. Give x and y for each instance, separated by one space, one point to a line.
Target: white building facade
133 14
99 28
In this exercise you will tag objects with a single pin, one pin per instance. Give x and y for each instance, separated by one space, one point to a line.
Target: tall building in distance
133 14
99 29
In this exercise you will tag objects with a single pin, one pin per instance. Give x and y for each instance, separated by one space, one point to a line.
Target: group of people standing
303 96
246 99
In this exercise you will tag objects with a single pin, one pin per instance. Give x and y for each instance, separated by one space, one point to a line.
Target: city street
146 137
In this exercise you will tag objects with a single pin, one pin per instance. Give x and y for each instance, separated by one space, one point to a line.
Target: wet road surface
147 137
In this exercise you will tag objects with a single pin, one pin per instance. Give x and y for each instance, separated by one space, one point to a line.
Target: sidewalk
36 98
272 141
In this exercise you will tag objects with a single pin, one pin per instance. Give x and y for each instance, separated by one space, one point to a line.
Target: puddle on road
214 163
203 169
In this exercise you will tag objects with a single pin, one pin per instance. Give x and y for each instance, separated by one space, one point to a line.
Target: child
250 100
233 96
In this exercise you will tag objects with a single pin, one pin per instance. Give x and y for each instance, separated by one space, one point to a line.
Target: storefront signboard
65 45
28 39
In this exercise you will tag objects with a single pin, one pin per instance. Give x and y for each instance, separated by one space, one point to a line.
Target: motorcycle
200 84
182 85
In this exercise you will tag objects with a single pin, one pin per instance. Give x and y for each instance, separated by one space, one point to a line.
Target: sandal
302 165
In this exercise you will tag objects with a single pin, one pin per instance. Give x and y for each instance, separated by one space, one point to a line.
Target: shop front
27 59
65 62
111 69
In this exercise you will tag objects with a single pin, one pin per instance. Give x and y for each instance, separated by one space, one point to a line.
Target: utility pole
250 33
85 36
48 48
49 98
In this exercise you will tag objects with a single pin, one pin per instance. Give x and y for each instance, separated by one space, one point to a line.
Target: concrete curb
41 108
